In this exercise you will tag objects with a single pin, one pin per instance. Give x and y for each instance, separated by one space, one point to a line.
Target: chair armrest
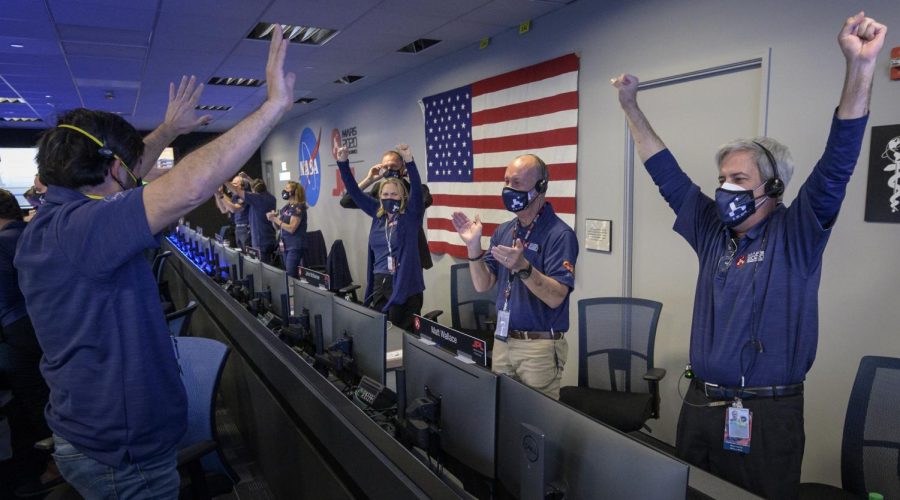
433 315
655 374
45 444
195 451
348 289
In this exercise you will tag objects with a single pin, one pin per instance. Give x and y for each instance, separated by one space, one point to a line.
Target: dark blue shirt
115 389
381 231
241 216
552 248
262 234
293 241
12 303
407 280
770 289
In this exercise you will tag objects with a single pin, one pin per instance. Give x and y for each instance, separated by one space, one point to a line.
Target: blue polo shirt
115 389
12 303
241 216
293 241
552 248
379 233
262 234
769 289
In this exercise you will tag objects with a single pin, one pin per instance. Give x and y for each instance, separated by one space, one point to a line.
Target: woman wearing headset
291 219
395 282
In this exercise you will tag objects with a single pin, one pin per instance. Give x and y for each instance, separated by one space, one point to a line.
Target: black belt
242 225
715 391
527 335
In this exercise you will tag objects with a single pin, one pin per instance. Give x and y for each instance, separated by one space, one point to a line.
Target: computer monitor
232 258
274 281
367 328
253 267
468 396
318 302
585 458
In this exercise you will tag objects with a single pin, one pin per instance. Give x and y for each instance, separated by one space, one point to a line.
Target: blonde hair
403 194
299 193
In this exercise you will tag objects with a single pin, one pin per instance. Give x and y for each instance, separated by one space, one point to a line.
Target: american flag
473 132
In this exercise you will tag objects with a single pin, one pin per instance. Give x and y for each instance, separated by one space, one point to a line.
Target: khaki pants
536 363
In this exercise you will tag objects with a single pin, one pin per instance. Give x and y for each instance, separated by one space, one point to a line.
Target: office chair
337 267
180 321
617 382
870 449
315 254
202 361
158 267
471 311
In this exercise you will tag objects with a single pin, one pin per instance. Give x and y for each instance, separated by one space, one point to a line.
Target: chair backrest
870 452
315 253
180 320
337 266
202 361
159 263
470 310
615 342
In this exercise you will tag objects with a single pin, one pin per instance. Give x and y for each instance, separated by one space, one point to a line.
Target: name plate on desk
452 340
219 238
252 252
315 278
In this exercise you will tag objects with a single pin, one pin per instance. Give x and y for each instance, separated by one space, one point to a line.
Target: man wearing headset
755 324
117 404
532 260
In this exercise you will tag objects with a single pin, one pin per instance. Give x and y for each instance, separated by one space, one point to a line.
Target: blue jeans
242 235
156 478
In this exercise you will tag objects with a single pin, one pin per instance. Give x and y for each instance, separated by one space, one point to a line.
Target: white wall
858 306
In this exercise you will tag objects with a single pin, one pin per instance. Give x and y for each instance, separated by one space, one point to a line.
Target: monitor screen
468 401
231 258
589 459
316 301
17 170
274 280
367 329
253 267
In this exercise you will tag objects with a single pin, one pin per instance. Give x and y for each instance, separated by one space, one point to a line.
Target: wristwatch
523 274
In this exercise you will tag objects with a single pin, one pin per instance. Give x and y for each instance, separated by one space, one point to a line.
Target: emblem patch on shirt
569 267
750 258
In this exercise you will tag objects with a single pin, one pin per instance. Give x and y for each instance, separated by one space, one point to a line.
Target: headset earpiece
541 186
774 187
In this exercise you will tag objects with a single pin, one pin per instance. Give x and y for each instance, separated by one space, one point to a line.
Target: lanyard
388 232
508 291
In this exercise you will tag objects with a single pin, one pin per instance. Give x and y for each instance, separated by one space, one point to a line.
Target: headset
104 150
541 186
774 187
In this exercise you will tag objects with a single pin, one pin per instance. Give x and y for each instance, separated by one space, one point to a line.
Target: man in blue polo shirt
258 203
234 205
532 259
755 325
117 405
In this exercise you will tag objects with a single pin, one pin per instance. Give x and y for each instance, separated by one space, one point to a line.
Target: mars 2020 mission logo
310 172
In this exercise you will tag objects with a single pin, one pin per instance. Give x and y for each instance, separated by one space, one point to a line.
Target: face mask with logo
515 200
735 204
390 206
285 195
389 173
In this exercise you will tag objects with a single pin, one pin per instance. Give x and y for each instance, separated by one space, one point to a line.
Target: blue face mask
515 200
391 173
390 206
734 204
285 195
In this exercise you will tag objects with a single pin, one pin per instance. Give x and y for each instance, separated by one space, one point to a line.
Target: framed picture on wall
883 186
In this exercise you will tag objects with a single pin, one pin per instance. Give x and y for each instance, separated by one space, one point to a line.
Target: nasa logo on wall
310 173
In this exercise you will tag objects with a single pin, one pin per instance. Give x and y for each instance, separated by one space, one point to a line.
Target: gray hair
783 160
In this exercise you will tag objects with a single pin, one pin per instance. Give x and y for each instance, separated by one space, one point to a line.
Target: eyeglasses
726 258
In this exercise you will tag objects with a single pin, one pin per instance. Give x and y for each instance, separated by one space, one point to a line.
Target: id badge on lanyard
738 426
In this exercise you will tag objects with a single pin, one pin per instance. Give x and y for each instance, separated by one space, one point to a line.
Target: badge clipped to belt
738 423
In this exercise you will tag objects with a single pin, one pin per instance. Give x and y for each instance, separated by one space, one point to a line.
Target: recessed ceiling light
348 79
19 119
305 100
11 100
419 45
308 35
235 82
48 96
208 107
17 45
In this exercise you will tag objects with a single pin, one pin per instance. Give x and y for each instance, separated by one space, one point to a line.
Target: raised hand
342 154
181 113
627 86
376 172
405 152
279 85
469 230
271 216
861 38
